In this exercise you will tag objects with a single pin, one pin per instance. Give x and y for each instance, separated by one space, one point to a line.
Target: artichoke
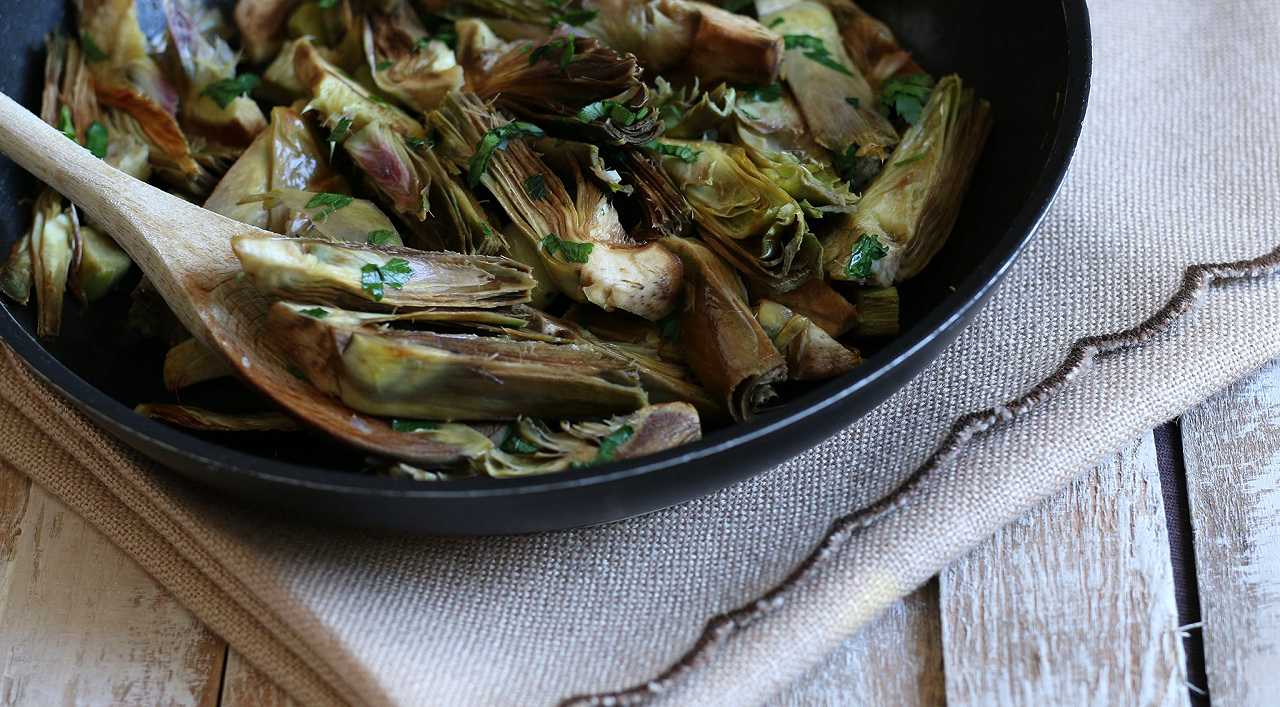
427 375
818 301
811 352
878 312
379 278
406 62
191 362
725 346
750 221
871 44
202 420
906 215
53 243
261 24
329 216
100 268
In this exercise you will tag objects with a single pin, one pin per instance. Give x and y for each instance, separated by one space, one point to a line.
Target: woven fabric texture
1179 164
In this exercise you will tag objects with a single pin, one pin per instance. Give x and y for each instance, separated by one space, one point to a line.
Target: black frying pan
1030 58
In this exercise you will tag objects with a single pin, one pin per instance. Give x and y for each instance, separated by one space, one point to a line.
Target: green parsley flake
96 139
561 13
907 96
536 187
565 45
384 65
382 236
609 445
66 125
327 4
570 251
814 50
414 425
394 274
92 52
613 111
493 140
866 252
327 203
315 312
684 153
854 101
776 21
737 5
225 91
762 94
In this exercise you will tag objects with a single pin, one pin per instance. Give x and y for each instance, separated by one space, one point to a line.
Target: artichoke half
379 278
330 216
406 62
907 214
811 352
724 344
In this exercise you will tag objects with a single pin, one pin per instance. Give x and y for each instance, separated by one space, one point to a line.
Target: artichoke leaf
819 301
908 212
871 44
406 62
313 216
426 375
725 346
190 362
811 352
261 24
204 420
101 267
379 278
53 246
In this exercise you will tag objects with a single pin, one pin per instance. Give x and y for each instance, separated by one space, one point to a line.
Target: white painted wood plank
1231 445
81 624
244 686
1073 604
897 660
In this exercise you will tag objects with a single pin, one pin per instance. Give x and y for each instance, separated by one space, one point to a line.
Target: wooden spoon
185 251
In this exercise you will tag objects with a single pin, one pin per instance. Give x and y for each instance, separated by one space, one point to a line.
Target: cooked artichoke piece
102 266
200 419
664 211
908 212
127 78
341 98
575 87
478 47
215 103
838 103
251 174
819 301
334 217
379 278
580 240
811 353
261 24
725 346
191 362
53 247
871 44
879 312
406 62
531 447
431 376
16 276
748 220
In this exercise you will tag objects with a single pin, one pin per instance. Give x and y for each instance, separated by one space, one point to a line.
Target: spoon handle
183 249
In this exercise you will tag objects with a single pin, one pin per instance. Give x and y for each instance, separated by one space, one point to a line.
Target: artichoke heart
314 216
427 375
748 220
725 346
907 214
811 352
379 278
406 62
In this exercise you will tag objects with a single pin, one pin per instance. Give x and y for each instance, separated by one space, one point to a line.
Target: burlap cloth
1179 164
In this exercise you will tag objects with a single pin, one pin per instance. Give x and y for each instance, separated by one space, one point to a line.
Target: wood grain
896 660
1074 604
244 686
82 624
1231 446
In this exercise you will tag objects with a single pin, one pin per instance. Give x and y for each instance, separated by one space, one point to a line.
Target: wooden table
1075 604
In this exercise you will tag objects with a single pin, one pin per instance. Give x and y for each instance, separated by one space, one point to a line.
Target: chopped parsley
567 250
907 96
671 115
96 139
327 4
382 236
66 125
497 139
92 52
853 101
439 29
561 13
419 143
814 50
536 187
565 45
684 153
394 274
737 5
855 169
327 203
315 312
609 445
613 111
414 425
225 91
776 21
866 252
763 94
513 443
384 65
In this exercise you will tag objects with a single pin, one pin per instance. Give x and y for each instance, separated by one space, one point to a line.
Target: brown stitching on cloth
1083 354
